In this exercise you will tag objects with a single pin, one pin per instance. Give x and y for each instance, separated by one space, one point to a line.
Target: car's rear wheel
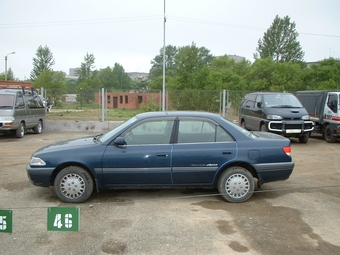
328 134
38 128
73 184
236 185
20 132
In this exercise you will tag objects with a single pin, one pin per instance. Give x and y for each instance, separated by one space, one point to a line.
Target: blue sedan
164 150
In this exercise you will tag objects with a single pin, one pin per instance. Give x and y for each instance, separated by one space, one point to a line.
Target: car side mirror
259 104
119 141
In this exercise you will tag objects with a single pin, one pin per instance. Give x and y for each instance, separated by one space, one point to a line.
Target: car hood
287 112
69 144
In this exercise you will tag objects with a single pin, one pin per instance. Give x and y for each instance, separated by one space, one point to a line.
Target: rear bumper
271 172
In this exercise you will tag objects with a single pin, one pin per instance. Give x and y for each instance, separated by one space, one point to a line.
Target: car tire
328 135
263 128
73 184
20 132
38 128
304 138
236 185
243 124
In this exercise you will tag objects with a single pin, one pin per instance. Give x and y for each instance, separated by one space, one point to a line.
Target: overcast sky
130 32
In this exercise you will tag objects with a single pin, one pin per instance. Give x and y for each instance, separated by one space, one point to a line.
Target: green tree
121 80
43 61
10 75
191 67
156 70
226 73
260 75
86 67
54 83
324 75
280 42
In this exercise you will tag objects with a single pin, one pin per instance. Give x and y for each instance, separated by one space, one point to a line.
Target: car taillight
287 150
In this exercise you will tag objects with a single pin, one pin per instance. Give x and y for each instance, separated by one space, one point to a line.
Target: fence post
223 104
103 101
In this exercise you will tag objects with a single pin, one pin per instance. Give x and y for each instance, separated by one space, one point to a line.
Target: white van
21 110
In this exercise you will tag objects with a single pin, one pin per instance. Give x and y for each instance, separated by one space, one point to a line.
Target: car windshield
6 101
281 101
116 130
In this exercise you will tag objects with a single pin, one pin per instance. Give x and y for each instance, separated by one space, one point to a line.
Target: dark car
164 150
280 113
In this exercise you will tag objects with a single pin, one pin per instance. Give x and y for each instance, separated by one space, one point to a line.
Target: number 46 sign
63 219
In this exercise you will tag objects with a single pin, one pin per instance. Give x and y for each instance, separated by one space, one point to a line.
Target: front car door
202 148
146 157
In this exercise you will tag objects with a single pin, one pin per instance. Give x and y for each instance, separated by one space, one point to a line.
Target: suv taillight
287 150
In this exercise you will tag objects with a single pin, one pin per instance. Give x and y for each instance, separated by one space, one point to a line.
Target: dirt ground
297 216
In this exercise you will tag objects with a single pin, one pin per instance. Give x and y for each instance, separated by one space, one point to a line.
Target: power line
142 18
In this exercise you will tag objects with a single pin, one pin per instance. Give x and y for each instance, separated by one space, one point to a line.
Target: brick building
128 100
15 85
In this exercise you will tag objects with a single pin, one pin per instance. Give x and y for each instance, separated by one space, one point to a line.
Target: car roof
269 93
177 114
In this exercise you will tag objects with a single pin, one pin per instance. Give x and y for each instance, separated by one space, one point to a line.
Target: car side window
149 132
258 101
200 131
332 103
19 103
34 102
249 101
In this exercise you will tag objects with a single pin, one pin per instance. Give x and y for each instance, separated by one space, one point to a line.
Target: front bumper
290 127
39 176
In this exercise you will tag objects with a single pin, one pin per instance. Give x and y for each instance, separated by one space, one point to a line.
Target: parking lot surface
297 216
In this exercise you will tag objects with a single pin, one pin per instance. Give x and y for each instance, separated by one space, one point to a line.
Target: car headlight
274 117
37 162
7 118
305 117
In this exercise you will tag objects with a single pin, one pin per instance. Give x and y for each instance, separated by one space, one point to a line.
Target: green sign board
63 219
6 221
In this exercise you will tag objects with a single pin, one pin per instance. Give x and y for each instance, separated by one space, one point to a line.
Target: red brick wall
117 100
15 85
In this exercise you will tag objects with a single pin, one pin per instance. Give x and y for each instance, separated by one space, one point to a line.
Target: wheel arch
64 165
245 165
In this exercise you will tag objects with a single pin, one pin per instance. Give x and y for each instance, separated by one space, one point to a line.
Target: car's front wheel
236 185
73 184
20 132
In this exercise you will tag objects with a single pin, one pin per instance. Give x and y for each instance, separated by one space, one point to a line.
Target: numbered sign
63 219
6 221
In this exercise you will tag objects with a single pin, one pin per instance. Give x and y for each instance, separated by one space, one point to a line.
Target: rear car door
146 157
202 148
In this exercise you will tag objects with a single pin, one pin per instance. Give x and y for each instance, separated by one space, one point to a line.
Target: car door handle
162 155
226 152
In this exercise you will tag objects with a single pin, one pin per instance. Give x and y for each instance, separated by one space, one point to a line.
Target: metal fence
90 104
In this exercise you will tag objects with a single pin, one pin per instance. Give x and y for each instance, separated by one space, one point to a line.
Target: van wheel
243 124
38 128
263 128
328 134
304 138
20 132
236 185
